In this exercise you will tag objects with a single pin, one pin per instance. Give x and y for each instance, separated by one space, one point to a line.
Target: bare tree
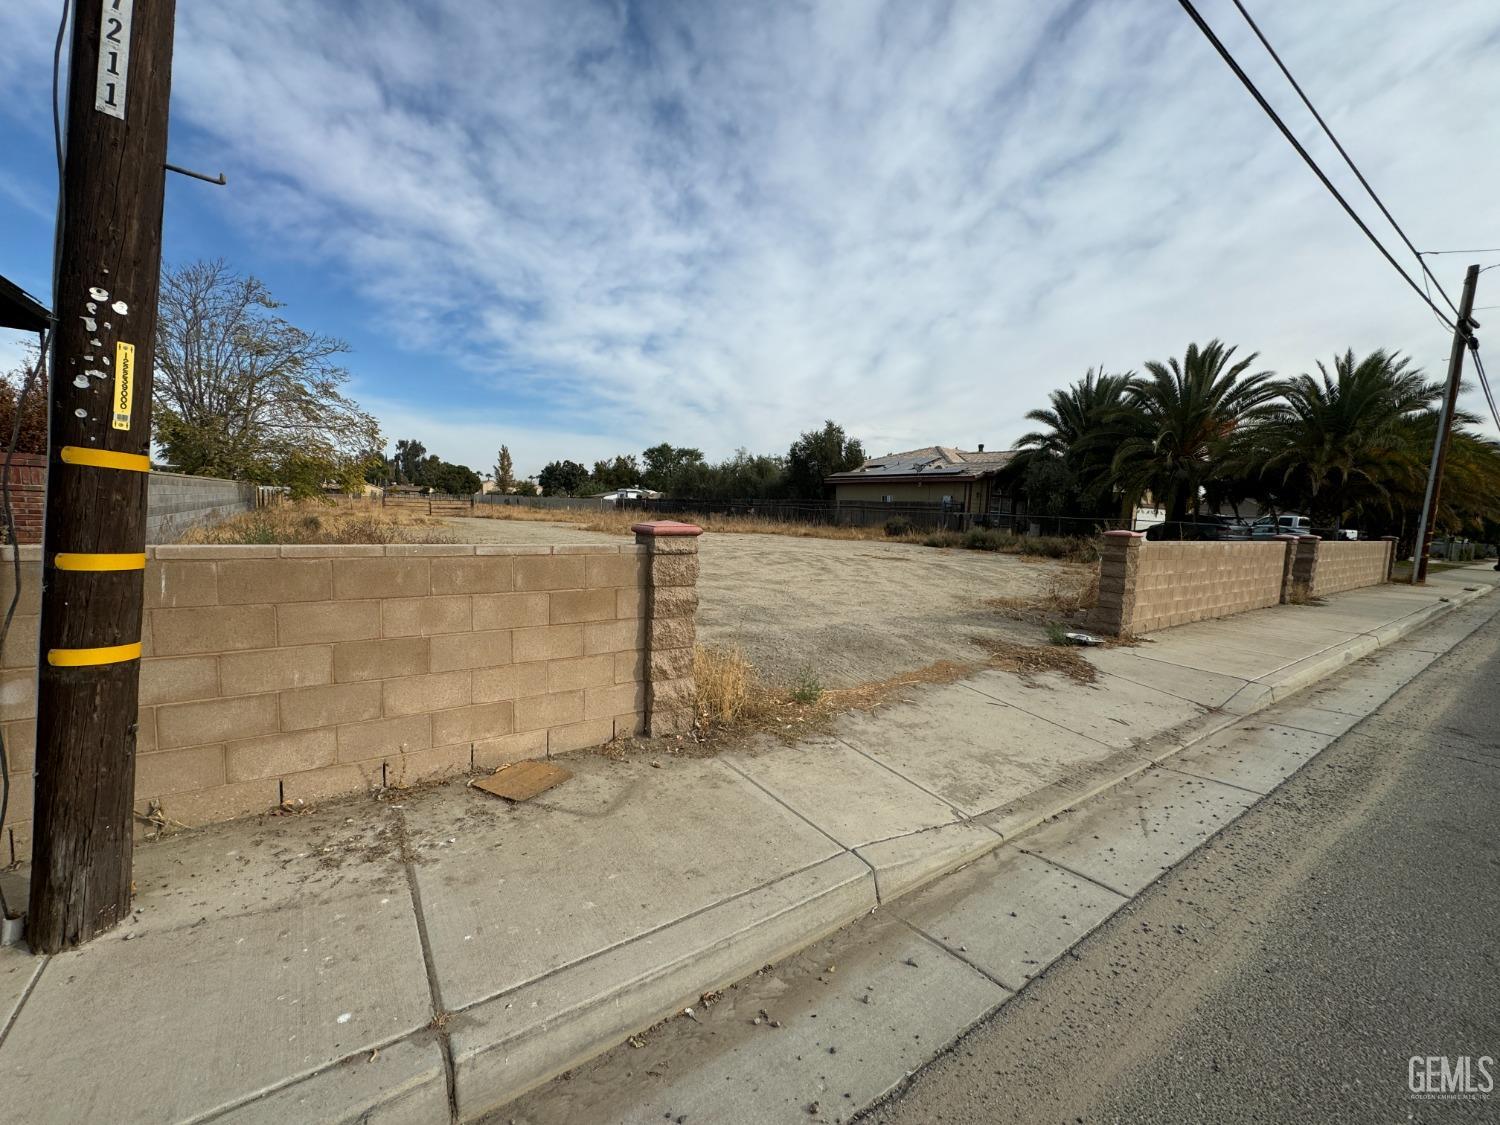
242 392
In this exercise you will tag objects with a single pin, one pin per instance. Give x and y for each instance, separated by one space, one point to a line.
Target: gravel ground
849 611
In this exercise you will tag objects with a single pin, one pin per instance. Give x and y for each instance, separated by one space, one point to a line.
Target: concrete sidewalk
442 952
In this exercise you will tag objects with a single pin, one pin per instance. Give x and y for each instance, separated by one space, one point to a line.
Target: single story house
959 480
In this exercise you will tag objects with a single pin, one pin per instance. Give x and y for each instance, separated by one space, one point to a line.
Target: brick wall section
293 673
28 490
672 577
1348 566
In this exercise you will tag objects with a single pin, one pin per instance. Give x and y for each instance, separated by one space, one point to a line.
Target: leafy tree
562 478
446 477
665 465
505 472
408 461
621 472
31 437
815 455
1173 432
241 392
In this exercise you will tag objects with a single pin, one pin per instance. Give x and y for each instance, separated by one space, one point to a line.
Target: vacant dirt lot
849 612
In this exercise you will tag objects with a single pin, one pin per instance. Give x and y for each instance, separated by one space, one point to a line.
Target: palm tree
1076 411
1175 430
1348 440
1072 437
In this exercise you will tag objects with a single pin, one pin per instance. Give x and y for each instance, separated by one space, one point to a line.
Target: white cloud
720 224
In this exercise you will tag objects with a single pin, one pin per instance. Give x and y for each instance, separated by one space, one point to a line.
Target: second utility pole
1461 332
93 554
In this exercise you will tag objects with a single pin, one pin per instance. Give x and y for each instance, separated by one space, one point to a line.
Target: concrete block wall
174 502
273 674
1343 565
1146 586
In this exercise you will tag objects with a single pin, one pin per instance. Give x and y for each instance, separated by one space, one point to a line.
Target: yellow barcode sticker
124 384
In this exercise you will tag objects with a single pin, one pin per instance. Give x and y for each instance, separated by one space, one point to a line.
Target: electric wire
1349 160
1484 382
1229 60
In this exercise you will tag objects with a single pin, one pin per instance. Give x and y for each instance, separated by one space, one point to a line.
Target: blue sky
583 228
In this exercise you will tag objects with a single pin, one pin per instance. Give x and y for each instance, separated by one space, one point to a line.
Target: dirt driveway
848 611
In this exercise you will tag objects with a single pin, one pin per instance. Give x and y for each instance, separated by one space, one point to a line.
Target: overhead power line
1265 106
1349 160
1491 250
1484 381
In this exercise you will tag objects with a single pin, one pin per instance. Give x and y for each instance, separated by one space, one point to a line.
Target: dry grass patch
312 521
1070 594
734 701
612 521
1030 661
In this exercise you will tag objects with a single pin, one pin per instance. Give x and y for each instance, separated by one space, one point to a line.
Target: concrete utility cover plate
521 781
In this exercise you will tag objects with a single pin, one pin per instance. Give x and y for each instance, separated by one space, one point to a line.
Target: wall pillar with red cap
671 603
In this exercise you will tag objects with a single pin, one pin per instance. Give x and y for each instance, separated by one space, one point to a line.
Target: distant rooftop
930 461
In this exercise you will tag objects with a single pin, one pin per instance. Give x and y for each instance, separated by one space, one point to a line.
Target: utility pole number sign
114 58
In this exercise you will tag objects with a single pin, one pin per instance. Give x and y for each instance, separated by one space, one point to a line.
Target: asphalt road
1290 969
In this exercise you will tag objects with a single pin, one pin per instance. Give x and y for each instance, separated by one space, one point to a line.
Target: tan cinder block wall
289 673
672 601
1145 586
1343 565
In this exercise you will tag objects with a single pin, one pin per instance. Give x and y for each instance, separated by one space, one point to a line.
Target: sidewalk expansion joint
1075 872
897 773
1257 793
45 960
440 1013
993 702
810 823
959 955
642 936
276 1087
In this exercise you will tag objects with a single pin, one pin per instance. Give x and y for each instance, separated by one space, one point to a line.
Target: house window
947 499
887 499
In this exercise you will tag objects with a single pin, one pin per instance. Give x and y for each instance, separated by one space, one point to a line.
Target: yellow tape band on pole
65 561
105 459
84 657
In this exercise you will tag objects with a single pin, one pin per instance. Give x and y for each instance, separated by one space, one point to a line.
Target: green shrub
898 525
807 688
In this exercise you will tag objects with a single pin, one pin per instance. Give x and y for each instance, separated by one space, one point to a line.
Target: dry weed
313 521
613 521
1030 661
1068 594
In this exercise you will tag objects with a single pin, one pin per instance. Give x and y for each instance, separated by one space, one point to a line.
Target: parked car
1288 523
1204 528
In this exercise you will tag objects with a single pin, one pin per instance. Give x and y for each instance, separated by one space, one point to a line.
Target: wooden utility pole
93 549
1461 332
